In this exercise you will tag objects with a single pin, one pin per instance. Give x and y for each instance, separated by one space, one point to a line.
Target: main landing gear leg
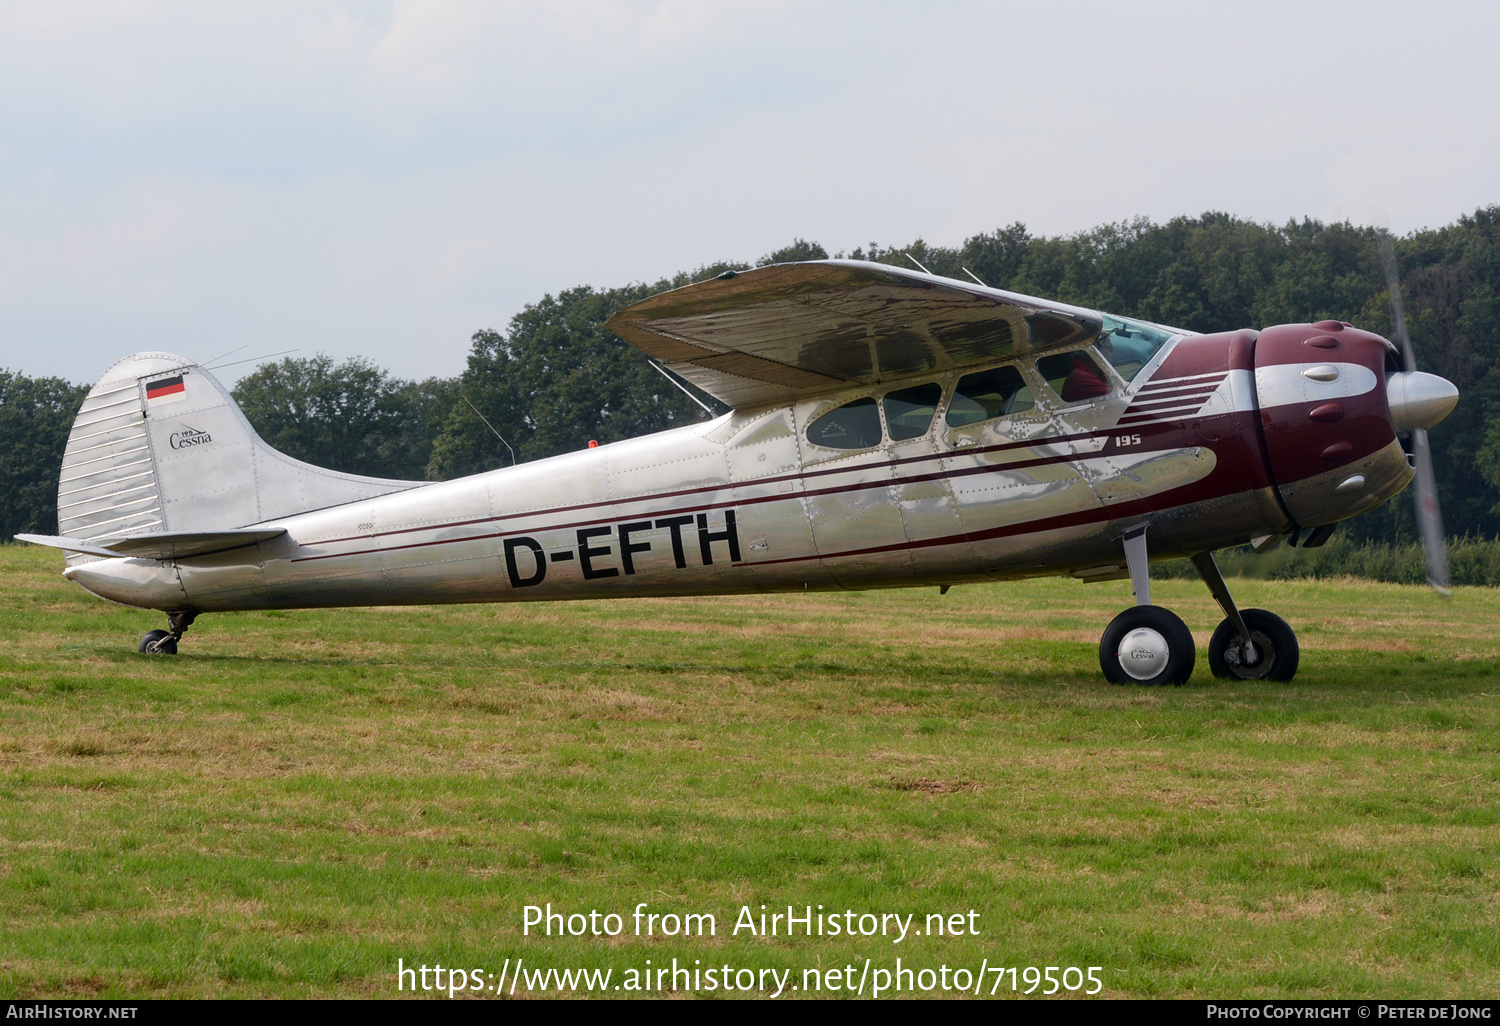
1251 644
1146 644
165 642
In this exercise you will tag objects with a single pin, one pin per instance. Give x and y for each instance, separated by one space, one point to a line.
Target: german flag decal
165 390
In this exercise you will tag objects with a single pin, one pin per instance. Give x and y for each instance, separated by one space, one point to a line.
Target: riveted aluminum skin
1203 447
1033 493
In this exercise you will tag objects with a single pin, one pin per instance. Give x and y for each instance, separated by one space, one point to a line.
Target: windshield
1129 345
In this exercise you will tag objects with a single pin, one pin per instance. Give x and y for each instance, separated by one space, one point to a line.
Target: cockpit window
1129 345
854 425
988 394
1074 375
908 411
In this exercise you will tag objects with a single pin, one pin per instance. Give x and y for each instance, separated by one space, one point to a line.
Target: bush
1471 561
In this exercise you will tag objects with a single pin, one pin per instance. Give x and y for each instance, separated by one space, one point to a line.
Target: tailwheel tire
1147 645
158 643
1276 654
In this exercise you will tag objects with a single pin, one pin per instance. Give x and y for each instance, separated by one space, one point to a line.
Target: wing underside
786 331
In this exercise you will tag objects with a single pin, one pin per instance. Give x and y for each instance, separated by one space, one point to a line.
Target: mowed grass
302 798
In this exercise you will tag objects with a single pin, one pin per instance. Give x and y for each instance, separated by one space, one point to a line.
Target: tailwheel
1147 645
1271 655
158 643
165 642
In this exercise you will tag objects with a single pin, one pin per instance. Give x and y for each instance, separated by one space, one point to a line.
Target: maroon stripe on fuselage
1095 515
1239 468
1153 389
1174 412
1179 379
857 486
1182 402
1173 396
1207 357
757 482
1164 417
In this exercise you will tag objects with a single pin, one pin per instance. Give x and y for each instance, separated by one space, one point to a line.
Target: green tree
486 392
554 382
996 257
350 416
557 379
36 415
800 249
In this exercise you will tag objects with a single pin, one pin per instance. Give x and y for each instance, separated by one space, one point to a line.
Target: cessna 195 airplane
888 428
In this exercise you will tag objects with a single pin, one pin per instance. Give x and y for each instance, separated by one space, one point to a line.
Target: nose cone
1418 399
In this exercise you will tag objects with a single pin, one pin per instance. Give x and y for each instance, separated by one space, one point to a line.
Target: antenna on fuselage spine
252 359
971 274
223 356
492 428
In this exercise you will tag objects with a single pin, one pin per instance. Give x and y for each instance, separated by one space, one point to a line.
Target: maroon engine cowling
1326 420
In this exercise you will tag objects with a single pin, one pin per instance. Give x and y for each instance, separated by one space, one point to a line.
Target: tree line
555 379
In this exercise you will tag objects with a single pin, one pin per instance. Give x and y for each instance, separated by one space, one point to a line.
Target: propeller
1429 516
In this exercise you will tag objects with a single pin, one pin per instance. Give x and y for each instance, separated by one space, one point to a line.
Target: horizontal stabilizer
170 545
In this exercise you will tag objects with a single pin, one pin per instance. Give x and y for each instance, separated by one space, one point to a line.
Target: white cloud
384 178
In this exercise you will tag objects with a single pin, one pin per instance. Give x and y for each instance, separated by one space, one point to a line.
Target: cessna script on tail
887 429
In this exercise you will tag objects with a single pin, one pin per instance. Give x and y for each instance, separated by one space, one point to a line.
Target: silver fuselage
747 503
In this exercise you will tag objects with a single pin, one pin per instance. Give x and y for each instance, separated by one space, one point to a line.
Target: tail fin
159 446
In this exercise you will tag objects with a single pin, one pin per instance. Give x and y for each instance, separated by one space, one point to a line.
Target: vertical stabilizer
159 446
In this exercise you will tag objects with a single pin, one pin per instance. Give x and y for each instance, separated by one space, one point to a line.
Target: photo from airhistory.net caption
736 973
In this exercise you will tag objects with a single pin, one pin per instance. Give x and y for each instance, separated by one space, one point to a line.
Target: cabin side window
854 425
1074 375
909 411
988 394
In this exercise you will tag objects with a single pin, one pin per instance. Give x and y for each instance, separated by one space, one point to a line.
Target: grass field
301 799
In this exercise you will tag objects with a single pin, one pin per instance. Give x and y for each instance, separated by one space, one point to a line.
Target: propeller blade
1393 283
1429 516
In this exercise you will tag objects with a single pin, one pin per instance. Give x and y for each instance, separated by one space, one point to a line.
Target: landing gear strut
1250 644
165 642
1146 644
1151 645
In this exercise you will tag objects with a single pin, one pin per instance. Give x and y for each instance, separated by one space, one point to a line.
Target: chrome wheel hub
1143 653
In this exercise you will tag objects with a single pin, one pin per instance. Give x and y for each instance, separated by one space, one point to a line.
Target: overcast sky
383 179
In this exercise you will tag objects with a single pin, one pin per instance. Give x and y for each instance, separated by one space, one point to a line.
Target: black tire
154 638
1278 655
1180 654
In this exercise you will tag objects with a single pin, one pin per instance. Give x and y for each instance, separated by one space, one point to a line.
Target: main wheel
1276 653
1147 645
153 643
